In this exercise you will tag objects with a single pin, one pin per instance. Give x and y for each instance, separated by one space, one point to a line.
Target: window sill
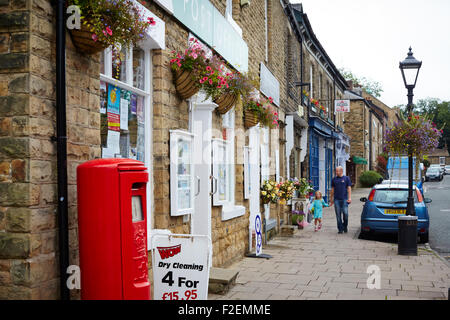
231 211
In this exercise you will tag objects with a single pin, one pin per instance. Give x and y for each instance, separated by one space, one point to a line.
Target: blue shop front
321 164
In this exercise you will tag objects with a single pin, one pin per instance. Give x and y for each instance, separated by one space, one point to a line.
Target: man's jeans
341 209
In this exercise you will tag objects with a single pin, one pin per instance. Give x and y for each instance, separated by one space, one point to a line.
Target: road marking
445 210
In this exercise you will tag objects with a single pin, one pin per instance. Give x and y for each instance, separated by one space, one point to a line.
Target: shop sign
269 85
342 105
203 19
180 266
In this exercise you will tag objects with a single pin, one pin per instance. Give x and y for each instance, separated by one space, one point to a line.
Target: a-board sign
180 266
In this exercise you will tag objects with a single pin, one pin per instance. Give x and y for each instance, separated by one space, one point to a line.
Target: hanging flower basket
416 135
82 40
185 83
251 118
104 23
225 102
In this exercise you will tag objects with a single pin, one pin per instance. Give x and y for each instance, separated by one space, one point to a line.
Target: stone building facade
366 125
320 80
29 247
28 217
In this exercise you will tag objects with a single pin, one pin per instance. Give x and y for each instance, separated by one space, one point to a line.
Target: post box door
136 285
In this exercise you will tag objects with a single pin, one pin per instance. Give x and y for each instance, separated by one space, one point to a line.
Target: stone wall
28 220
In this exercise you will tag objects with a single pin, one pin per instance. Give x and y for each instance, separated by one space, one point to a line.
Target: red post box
112 229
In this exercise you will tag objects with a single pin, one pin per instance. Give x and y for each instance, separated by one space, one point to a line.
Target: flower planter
250 119
82 40
225 102
185 83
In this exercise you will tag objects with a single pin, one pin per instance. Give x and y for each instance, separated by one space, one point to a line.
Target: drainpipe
61 142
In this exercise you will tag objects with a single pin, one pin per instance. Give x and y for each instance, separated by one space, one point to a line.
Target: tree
439 113
372 87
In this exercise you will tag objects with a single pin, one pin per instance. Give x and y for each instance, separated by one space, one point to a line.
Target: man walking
341 191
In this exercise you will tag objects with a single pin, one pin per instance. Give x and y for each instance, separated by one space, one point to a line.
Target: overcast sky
371 37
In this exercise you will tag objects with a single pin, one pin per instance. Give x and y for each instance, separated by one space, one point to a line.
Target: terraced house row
270 39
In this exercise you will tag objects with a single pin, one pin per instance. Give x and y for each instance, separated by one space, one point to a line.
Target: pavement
332 266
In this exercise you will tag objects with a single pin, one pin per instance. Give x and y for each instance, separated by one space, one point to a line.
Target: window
224 170
221 172
125 104
126 109
181 173
442 160
393 196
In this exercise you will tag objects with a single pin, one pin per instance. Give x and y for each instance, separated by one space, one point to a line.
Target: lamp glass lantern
410 70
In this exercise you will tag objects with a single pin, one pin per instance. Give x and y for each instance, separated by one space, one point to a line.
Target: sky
371 37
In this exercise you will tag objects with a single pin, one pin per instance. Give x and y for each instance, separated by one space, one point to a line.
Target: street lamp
407 228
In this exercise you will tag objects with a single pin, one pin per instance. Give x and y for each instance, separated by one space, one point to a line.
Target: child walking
318 205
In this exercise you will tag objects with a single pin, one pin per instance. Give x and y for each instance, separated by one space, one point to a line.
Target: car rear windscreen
393 196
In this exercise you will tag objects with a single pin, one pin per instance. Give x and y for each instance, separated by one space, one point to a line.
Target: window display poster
124 145
112 144
124 114
113 121
113 99
103 97
140 143
140 109
133 103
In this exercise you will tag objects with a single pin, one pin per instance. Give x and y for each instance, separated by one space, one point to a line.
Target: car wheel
423 238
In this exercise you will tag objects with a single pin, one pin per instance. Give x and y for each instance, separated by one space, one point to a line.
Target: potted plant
269 192
104 23
302 187
188 68
297 218
285 191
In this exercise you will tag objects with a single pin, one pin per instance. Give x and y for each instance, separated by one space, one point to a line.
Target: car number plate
394 211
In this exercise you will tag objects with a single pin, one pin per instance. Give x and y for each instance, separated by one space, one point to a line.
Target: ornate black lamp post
407 233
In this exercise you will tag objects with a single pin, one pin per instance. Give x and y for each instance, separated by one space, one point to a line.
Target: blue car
386 202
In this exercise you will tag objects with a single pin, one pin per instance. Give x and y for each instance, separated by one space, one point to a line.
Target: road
439 211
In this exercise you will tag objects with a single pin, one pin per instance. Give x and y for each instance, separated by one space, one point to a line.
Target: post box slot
138 185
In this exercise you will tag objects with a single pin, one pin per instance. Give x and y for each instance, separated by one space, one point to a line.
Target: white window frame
175 135
229 209
229 17
216 144
147 93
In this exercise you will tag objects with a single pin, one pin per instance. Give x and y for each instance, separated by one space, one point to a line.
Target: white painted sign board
180 266
342 105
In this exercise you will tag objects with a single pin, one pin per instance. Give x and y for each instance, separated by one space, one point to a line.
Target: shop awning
359 160
322 134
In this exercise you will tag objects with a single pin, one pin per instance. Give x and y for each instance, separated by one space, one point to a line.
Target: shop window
125 104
